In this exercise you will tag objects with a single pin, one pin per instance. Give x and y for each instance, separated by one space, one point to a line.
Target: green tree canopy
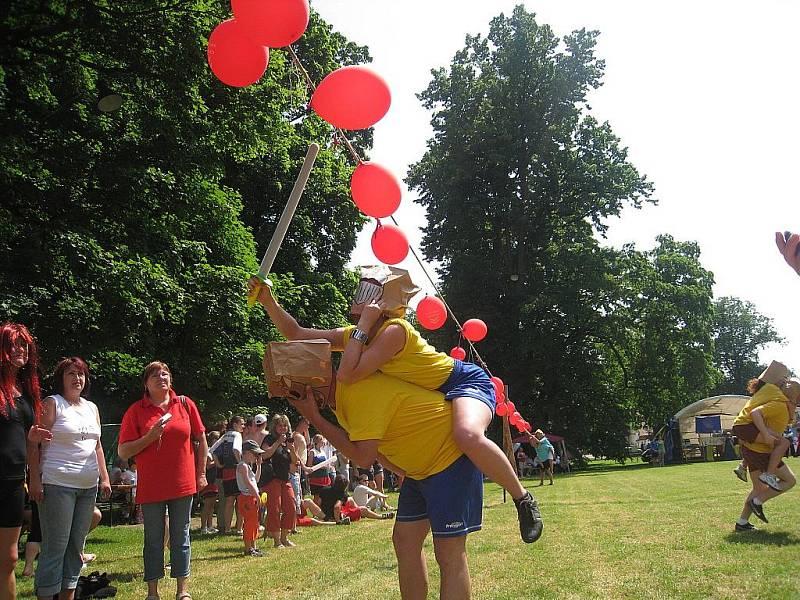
740 333
128 236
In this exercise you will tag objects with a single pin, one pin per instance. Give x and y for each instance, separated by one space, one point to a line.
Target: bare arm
363 452
132 448
359 362
287 324
789 249
34 451
200 458
104 483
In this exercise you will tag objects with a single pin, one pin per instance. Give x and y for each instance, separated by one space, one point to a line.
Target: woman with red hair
20 401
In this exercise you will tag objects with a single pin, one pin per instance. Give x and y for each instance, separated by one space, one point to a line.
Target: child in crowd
247 473
383 340
209 493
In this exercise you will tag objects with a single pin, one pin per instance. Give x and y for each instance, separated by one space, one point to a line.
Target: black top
13 439
281 461
328 498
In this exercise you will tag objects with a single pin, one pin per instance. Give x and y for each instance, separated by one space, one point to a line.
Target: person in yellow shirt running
758 428
384 341
410 430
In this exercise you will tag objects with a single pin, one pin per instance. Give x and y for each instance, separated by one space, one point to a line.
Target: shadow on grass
221 556
605 468
764 538
123 577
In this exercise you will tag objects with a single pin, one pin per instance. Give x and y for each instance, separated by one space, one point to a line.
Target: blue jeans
65 515
180 549
294 479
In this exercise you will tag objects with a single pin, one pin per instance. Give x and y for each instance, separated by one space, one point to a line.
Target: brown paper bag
775 373
398 289
296 364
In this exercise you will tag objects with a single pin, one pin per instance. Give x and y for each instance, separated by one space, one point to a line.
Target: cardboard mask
396 288
775 373
294 365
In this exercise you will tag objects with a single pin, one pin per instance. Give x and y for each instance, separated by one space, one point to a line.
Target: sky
703 95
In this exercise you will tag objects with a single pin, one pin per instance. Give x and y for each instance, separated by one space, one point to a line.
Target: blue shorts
470 381
451 500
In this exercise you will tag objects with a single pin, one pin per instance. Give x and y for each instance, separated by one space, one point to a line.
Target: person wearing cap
248 501
259 430
758 428
383 341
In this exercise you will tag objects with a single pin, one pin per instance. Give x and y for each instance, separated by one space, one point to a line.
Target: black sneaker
530 521
758 510
746 527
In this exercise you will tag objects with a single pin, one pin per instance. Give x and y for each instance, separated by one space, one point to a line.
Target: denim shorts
451 500
470 381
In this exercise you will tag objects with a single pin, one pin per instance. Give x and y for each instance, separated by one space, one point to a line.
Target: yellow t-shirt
418 362
414 425
768 393
776 417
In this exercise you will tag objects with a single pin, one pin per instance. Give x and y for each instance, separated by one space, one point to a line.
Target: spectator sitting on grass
364 495
337 506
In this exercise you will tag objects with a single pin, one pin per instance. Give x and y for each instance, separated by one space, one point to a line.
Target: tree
127 237
740 333
670 332
516 181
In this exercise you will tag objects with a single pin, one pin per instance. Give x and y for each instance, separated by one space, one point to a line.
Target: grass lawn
610 532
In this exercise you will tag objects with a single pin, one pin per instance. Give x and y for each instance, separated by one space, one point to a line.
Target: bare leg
369 514
471 417
412 568
451 554
777 454
32 550
8 560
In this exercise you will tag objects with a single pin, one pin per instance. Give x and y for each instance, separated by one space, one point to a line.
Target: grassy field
610 532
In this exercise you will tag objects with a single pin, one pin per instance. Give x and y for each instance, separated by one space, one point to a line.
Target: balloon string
357 158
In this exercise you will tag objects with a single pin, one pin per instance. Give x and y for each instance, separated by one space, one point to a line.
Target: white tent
727 407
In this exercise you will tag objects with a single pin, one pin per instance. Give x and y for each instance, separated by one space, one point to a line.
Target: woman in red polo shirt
169 472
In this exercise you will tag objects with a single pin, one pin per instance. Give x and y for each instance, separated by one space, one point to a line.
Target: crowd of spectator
53 475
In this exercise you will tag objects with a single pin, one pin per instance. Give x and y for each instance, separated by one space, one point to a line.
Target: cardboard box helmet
391 285
776 373
290 366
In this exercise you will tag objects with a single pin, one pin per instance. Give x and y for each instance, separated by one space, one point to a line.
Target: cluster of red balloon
238 49
506 408
352 98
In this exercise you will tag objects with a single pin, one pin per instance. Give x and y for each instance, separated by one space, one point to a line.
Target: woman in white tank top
64 480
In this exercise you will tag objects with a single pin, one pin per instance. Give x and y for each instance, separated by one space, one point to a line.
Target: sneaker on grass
530 520
746 527
758 510
741 472
771 481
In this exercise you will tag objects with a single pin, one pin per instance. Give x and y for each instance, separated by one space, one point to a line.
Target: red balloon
233 57
501 409
474 330
511 408
389 244
499 387
375 190
515 418
353 97
458 353
273 23
520 425
431 312
499 398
